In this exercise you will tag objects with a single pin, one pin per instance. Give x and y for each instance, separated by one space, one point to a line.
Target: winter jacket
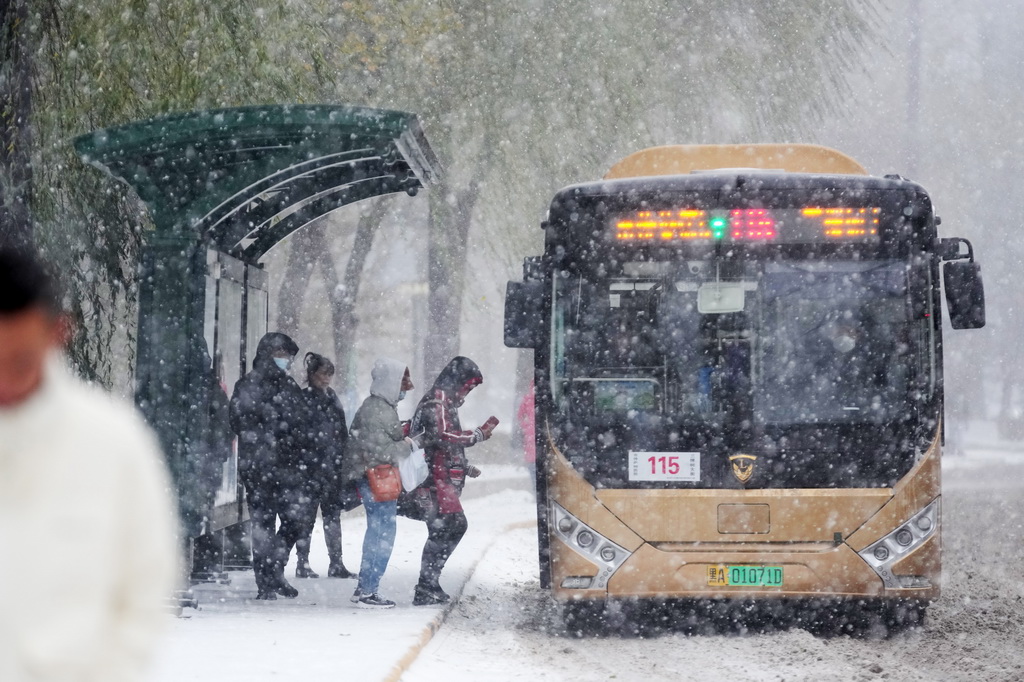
443 439
329 435
89 531
378 436
268 412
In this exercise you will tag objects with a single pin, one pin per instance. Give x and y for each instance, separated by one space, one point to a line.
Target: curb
410 656
1001 446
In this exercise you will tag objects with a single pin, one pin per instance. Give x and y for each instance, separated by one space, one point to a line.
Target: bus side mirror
965 294
524 314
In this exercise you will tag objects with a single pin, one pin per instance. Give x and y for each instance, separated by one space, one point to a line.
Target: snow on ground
321 635
503 628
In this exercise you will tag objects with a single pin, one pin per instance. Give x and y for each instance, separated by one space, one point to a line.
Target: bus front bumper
667 572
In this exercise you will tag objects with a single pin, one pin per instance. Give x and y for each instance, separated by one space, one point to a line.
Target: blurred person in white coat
87 524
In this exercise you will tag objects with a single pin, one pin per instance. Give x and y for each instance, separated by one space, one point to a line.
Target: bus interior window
631 315
836 352
708 355
689 359
611 355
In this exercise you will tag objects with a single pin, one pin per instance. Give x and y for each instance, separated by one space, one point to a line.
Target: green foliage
518 98
526 97
103 63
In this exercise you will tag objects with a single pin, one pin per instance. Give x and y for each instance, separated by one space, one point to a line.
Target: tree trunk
450 221
302 258
15 123
309 250
343 295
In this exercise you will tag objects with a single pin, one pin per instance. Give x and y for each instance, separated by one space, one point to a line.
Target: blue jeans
379 539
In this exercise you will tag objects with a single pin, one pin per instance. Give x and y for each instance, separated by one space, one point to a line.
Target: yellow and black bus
738 377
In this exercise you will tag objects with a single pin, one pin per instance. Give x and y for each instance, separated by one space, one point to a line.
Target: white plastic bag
413 469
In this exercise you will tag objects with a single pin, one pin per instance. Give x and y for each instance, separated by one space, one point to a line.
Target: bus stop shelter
223 187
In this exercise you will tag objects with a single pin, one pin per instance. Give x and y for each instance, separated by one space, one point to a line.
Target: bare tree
309 252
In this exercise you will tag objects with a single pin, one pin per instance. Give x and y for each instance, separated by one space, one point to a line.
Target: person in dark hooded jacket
268 414
437 500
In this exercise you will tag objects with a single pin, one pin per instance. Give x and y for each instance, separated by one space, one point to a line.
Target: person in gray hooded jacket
377 437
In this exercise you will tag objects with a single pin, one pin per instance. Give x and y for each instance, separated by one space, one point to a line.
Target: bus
738 376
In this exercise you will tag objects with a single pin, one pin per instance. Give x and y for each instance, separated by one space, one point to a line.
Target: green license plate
745 576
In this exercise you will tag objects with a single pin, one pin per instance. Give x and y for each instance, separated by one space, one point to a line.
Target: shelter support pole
169 381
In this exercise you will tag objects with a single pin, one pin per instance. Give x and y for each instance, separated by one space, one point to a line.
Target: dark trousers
335 498
268 502
330 509
444 532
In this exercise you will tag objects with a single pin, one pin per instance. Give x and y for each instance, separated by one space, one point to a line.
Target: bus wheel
583 616
903 614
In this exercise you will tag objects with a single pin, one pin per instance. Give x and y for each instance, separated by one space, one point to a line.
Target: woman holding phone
444 442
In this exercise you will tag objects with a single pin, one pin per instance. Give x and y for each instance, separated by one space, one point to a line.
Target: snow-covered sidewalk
321 635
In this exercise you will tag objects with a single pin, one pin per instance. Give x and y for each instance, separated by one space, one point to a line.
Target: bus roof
682 159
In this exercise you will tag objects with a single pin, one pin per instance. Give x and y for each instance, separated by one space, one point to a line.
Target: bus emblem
743 466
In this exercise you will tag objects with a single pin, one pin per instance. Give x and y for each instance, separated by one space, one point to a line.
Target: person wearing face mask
437 501
267 412
377 437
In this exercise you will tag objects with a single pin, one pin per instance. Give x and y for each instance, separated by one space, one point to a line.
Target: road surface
504 628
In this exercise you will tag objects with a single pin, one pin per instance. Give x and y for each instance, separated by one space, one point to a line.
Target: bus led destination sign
789 225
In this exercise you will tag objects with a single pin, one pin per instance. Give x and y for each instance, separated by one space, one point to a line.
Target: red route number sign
664 466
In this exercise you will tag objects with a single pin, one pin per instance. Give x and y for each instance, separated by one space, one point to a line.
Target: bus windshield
803 353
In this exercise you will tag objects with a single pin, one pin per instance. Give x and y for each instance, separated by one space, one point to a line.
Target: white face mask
283 363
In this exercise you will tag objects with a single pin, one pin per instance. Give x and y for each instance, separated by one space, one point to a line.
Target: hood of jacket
387 379
268 345
456 373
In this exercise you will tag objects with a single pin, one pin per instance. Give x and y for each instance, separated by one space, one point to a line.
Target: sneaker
303 570
356 596
266 596
286 590
430 596
375 601
339 571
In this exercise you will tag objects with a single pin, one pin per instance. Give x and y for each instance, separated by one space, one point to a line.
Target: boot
286 590
302 570
430 595
338 570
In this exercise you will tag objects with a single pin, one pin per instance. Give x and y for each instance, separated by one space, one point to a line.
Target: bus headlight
589 544
881 555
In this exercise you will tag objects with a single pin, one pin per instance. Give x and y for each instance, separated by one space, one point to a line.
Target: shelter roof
245 178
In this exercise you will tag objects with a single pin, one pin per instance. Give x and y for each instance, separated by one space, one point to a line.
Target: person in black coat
324 486
268 412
